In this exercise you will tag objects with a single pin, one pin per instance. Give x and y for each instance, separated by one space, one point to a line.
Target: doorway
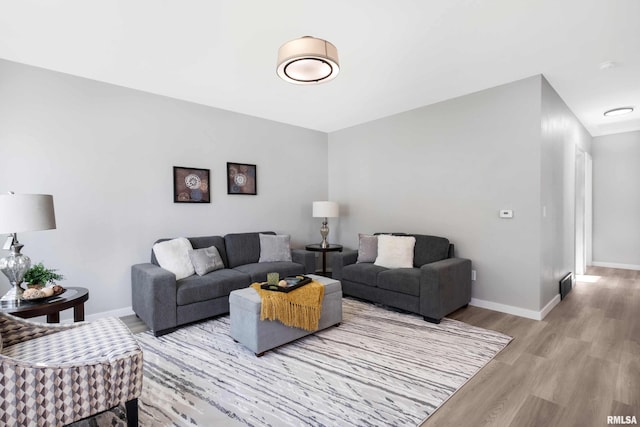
583 211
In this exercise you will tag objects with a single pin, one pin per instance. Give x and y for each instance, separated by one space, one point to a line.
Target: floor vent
566 284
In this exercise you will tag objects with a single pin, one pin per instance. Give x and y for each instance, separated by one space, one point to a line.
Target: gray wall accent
616 200
106 154
449 168
562 135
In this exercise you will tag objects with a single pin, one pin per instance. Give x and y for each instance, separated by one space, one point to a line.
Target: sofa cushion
173 255
395 251
429 249
205 260
274 248
365 273
216 284
243 248
403 280
258 271
367 248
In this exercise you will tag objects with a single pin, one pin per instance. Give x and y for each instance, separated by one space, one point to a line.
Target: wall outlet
473 275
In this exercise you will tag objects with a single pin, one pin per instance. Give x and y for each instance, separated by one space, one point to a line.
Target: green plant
40 275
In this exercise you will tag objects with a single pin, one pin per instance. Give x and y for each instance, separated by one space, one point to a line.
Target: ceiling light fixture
618 111
308 60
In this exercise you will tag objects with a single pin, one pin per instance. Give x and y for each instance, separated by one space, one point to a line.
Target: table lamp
325 210
19 213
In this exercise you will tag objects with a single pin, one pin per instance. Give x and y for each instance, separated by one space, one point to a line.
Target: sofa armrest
153 296
306 258
341 259
445 286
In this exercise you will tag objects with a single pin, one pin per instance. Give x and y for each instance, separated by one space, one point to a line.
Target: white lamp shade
26 212
308 60
325 209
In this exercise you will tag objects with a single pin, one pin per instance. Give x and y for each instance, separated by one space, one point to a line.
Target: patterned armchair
52 375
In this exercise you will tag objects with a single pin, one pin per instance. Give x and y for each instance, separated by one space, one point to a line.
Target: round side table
317 247
71 297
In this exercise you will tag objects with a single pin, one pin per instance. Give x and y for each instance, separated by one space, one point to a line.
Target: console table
317 247
70 298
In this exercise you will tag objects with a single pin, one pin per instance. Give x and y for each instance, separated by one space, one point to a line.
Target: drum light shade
308 60
325 209
26 212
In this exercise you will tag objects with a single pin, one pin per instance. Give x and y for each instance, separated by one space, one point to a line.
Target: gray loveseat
164 303
437 285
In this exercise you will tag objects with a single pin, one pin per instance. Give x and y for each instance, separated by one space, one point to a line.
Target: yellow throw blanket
299 308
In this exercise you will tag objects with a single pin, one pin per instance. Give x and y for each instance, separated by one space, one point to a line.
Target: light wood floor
574 368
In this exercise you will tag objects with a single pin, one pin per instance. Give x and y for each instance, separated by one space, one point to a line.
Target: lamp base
14 266
324 232
14 294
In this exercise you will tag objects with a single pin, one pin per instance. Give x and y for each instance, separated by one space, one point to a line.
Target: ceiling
395 56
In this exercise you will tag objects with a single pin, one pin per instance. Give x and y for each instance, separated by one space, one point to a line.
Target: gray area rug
379 367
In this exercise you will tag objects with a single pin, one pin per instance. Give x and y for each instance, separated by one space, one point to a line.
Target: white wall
562 135
616 200
106 154
447 169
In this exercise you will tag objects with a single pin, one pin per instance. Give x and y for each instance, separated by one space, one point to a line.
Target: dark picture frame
242 178
191 185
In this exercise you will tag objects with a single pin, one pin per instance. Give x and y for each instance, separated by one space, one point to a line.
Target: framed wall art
241 179
191 185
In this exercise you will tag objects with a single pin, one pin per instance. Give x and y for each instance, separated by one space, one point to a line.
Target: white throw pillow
395 251
173 255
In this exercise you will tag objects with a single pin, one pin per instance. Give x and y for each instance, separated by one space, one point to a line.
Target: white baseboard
517 311
616 265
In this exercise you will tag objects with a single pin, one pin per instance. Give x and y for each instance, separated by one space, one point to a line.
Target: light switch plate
506 213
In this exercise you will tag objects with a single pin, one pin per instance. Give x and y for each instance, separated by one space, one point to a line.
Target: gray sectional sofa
437 285
165 303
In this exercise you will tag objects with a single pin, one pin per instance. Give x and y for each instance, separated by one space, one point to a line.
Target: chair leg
132 412
431 319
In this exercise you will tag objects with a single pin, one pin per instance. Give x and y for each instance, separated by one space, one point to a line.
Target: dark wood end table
317 247
71 298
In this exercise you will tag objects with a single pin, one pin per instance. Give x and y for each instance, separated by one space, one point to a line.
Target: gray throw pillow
206 260
367 248
274 248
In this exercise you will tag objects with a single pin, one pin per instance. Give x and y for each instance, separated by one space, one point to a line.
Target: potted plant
38 276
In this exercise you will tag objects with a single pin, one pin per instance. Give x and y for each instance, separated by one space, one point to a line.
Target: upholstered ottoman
262 335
